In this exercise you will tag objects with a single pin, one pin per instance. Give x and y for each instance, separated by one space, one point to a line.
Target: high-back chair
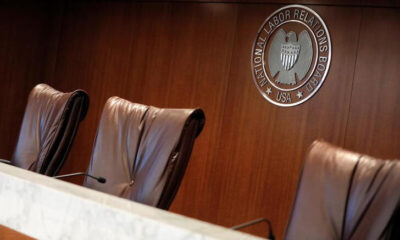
346 196
48 128
143 151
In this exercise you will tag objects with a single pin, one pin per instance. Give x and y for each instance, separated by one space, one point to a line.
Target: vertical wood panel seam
229 71
225 97
354 79
45 50
61 34
131 44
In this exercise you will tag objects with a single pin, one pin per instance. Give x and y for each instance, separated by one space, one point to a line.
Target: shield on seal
289 54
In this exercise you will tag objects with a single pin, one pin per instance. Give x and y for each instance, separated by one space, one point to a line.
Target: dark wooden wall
246 162
25 27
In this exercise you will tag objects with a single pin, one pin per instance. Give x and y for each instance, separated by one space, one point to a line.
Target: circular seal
291 55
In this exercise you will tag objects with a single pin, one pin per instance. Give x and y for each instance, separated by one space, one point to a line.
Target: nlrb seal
291 55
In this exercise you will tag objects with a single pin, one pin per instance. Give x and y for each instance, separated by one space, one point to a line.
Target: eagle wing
274 54
305 56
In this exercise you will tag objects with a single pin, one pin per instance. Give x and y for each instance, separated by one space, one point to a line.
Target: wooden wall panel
374 125
353 3
263 145
199 77
93 53
167 55
24 30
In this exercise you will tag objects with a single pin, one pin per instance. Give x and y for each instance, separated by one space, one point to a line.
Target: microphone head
101 180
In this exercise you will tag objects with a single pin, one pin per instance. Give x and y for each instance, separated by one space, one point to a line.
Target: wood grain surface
263 145
10 234
374 123
353 3
247 160
24 30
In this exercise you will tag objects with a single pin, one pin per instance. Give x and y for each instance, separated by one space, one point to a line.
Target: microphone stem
271 234
99 179
73 174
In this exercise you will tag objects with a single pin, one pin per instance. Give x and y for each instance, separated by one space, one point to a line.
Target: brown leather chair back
143 151
345 195
48 129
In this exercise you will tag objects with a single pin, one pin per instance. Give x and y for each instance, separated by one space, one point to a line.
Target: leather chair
48 128
346 196
143 151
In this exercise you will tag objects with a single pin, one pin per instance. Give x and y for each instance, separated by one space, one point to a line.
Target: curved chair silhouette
346 196
143 151
48 128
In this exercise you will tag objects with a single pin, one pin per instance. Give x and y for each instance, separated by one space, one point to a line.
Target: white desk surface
46 208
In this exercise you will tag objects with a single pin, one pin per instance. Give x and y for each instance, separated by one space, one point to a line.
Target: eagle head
291 37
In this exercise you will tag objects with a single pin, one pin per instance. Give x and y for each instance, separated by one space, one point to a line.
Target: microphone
99 179
271 235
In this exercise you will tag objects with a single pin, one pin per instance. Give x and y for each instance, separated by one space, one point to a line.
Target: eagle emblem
290 59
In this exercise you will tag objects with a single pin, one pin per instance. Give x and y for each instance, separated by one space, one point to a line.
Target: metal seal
291 55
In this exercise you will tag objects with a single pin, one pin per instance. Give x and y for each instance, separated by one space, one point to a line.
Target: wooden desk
10 234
